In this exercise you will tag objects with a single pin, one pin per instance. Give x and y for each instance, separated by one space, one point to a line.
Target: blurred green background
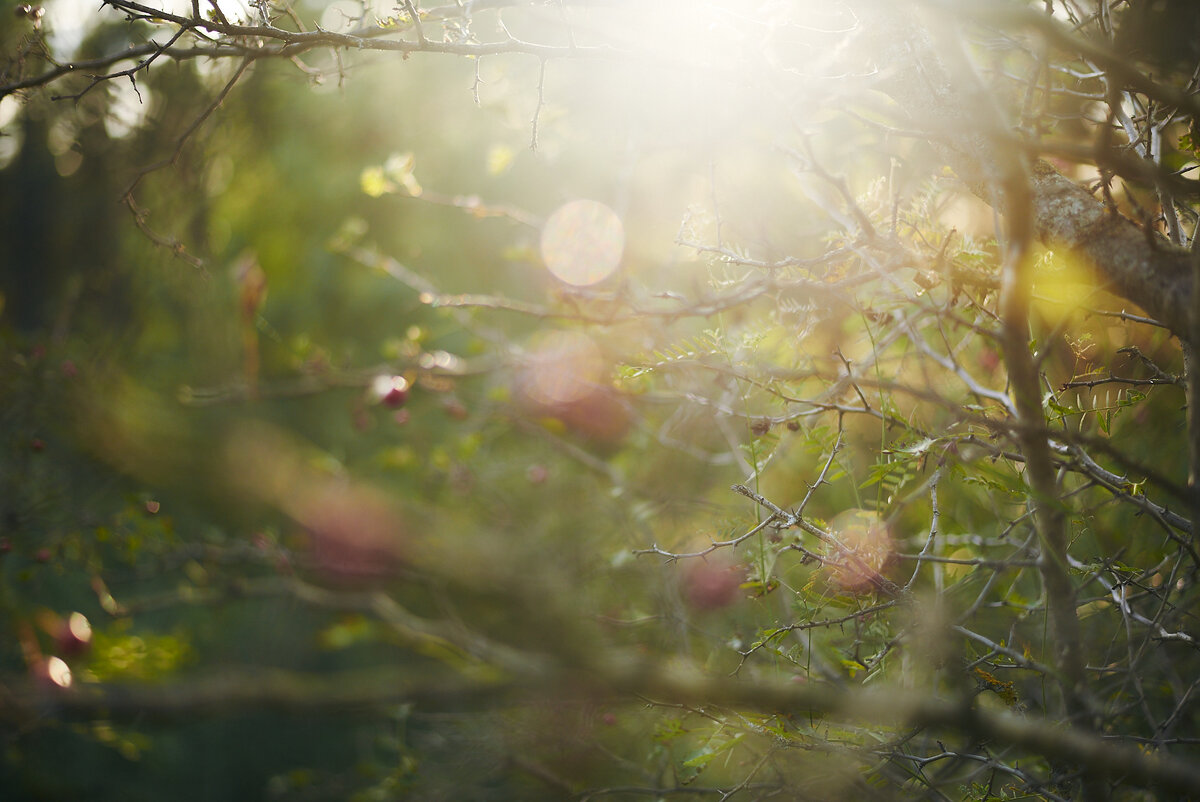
194 455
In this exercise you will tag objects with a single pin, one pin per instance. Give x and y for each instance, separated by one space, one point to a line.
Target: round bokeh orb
866 549
562 368
582 242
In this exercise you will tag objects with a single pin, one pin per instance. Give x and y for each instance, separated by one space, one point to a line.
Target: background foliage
524 574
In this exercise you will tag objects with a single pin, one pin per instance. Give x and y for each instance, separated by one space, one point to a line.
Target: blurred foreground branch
900 708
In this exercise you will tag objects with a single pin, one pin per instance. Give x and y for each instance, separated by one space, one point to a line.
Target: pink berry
712 585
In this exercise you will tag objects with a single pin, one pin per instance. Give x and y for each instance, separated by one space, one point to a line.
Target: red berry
5 545
68 369
395 397
42 555
37 444
391 391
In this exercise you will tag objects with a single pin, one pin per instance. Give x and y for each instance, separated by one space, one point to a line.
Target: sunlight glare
79 627
58 672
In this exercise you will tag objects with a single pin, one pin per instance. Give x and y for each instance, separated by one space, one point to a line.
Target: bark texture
1147 270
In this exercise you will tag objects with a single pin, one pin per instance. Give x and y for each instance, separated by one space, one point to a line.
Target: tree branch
1142 267
282 690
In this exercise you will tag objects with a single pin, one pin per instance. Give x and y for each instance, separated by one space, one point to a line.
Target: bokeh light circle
863 550
582 242
563 367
